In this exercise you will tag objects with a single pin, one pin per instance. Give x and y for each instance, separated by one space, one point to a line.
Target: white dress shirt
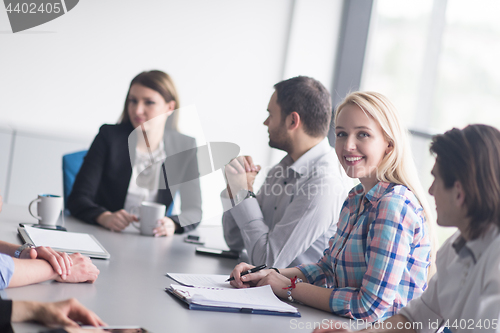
295 212
463 294
145 177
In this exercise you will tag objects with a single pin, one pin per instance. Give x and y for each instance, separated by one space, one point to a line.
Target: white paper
201 280
257 298
75 242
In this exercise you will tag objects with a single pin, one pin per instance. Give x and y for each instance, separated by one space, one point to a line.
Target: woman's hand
116 221
166 227
279 283
248 280
61 262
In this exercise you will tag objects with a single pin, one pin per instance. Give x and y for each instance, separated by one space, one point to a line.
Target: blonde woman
378 260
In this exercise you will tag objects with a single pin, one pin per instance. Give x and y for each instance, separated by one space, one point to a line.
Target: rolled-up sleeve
321 273
6 270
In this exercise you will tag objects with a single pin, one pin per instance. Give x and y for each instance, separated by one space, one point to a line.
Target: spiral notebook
258 300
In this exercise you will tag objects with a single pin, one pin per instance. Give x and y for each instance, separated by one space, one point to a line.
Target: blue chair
71 164
171 207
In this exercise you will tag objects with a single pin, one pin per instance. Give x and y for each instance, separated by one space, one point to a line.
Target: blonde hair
397 166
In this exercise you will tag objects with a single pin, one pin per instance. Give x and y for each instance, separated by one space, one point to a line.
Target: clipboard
63 241
193 305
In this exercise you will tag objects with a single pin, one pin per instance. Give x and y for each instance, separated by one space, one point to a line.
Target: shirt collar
304 166
373 195
377 191
158 154
478 246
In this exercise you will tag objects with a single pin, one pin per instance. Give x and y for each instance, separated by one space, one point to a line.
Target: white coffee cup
49 208
149 214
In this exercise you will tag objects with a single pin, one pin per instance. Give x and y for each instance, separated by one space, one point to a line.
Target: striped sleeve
320 274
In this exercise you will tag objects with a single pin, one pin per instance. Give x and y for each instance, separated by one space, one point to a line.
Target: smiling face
360 145
145 104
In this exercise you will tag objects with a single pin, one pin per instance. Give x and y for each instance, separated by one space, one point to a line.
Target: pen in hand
253 270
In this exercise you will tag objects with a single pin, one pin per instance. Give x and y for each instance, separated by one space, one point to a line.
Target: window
437 61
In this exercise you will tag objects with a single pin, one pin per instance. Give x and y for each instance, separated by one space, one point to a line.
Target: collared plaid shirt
377 261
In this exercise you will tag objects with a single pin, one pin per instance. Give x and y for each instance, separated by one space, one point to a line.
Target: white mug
49 208
150 213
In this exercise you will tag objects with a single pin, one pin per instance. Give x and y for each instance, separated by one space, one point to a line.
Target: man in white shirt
294 214
464 294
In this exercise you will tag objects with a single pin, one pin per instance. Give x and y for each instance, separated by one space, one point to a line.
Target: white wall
70 75
67 77
5 150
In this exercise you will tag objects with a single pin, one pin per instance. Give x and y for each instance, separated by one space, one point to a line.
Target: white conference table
130 286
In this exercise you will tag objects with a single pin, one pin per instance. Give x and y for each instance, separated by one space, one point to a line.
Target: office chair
71 164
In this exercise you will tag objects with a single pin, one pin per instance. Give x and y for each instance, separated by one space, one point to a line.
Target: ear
458 194
170 107
293 121
390 147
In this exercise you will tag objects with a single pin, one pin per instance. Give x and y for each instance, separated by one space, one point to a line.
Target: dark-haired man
294 214
464 295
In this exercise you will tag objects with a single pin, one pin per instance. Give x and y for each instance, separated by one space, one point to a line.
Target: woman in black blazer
117 172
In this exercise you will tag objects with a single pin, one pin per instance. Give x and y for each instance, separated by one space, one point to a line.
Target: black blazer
102 182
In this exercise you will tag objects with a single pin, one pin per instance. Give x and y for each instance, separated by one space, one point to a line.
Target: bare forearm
8 248
23 311
314 296
100 219
292 272
29 271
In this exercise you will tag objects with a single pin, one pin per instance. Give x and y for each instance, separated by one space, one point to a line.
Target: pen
253 270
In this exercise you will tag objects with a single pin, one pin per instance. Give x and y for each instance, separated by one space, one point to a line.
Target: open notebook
258 300
70 242
211 293
212 281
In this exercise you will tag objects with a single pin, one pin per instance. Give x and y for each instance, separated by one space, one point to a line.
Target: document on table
258 300
70 242
201 280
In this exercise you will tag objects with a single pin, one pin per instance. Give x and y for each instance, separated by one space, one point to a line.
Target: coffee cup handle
29 208
133 211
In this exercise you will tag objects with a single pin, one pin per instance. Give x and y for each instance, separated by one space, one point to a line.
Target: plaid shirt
377 261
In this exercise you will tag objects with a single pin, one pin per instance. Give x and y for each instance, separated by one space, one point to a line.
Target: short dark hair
472 157
310 99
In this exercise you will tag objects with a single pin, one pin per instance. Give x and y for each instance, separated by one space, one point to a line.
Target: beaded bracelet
293 284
